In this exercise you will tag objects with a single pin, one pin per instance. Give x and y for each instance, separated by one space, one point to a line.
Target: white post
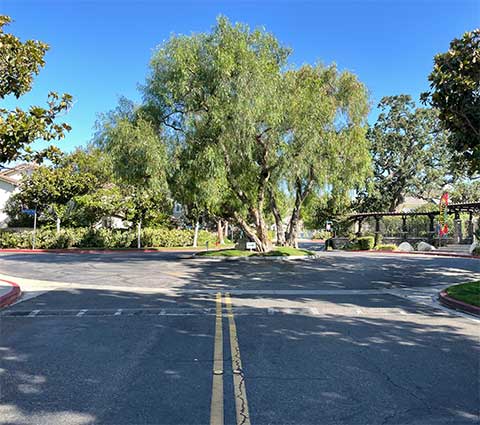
195 235
139 228
34 228
58 224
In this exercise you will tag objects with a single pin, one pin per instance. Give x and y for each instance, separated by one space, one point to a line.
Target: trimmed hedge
386 247
366 242
103 238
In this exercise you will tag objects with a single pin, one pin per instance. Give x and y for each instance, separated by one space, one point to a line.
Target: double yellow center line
240 392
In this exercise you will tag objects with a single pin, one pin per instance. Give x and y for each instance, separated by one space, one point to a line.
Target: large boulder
405 247
424 246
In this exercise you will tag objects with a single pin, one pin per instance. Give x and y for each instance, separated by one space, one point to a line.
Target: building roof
18 169
9 180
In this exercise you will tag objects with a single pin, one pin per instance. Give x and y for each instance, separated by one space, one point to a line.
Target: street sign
328 226
29 212
251 245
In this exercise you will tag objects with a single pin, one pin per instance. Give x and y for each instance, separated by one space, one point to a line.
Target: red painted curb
90 251
448 301
11 296
432 253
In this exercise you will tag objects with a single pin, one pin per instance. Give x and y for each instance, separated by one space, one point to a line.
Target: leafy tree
326 151
139 164
19 63
465 191
198 184
455 92
228 90
51 190
223 88
409 154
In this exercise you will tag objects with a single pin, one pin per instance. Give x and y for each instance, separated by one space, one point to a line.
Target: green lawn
466 292
278 252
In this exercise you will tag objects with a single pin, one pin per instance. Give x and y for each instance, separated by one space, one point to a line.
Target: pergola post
377 230
431 229
359 227
404 227
457 231
470 227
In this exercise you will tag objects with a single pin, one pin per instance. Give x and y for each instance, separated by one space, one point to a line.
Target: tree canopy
409 153
19 63
455 92
229 92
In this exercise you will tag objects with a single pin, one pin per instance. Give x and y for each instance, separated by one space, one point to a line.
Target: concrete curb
431 253
450 302
10 296
256 257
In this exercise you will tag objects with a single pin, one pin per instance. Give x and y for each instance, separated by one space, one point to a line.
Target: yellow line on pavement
240 391
216 407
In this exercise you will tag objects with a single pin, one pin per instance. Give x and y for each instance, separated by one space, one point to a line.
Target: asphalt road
135 339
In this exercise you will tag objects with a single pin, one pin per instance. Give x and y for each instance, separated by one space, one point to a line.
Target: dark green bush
366 242
47 238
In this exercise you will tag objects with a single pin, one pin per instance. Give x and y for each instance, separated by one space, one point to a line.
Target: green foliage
466 292
139 162
366 242
322 235
51 190
20 62
386 247
102 238
455 92
409 155
466 191
225 99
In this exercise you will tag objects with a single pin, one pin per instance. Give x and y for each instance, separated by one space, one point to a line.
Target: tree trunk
220 232
300 196
225 230
195 234
259 234
292 234
279 227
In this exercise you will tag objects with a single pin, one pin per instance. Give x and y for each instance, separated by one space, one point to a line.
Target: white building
9 180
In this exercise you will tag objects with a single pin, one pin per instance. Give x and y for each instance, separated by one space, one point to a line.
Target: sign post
251 246
34 213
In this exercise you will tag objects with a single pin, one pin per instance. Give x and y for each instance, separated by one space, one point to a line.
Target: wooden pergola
472 208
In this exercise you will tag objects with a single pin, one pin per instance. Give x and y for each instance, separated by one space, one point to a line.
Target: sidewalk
9 292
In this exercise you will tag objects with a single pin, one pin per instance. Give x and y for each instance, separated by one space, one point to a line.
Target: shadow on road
154 366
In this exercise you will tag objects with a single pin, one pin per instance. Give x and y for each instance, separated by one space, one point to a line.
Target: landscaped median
277 252
465 297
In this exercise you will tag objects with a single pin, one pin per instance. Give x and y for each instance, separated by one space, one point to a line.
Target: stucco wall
6 190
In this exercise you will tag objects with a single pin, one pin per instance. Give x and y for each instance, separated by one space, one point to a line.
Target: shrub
386 247
166 237
366 242
9 239
47 238
352 245
322 235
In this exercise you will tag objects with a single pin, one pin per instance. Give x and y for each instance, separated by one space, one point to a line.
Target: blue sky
100 49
